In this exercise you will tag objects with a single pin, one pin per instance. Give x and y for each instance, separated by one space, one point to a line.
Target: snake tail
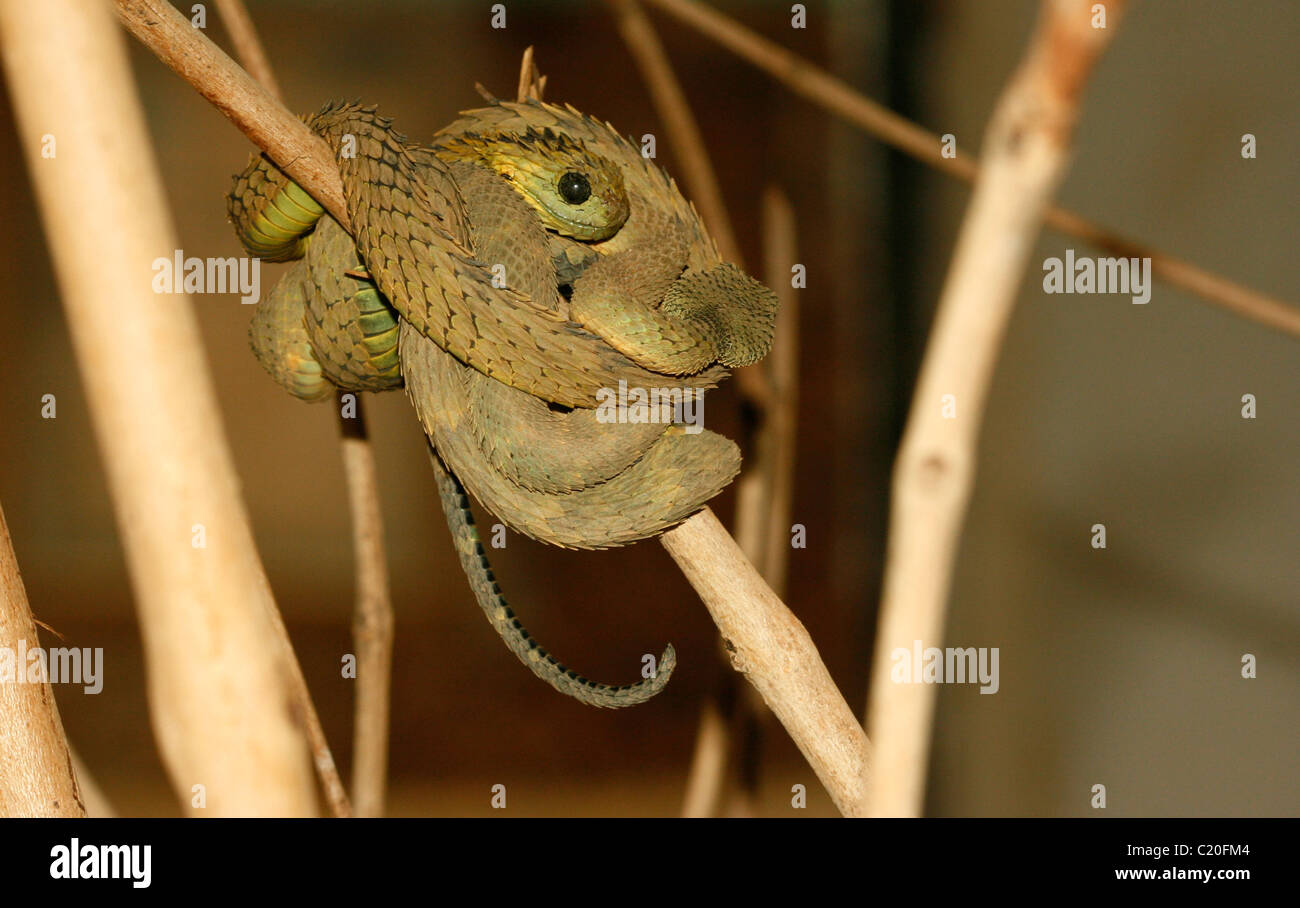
455 505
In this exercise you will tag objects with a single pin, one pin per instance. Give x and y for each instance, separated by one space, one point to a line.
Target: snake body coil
526 262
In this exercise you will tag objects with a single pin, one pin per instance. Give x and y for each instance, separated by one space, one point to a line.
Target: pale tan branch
708 772
36 777
778 435
248 46
841 99
764 494
373 621
218 682
243 34
771 648
1026 151
294 148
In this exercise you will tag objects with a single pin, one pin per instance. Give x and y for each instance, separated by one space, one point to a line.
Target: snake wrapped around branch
514 275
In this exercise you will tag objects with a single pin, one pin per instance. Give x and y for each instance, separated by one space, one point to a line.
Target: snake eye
574 188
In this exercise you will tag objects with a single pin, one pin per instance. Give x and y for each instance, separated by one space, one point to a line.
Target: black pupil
575 188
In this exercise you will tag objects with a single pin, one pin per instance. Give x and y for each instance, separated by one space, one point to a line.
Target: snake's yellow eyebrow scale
610 283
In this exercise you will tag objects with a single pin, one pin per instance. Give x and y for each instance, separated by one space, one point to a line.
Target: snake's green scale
610 278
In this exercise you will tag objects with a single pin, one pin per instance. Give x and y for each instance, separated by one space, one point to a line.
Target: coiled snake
513 274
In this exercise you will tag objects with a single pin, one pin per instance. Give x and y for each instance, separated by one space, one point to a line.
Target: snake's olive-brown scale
559 476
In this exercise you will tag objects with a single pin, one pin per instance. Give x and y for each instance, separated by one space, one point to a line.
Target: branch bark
36 777
372 613
218 683
771 648
1026 152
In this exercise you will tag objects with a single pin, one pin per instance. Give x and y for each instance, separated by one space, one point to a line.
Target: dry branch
248 47
1026 151
762 491
36 777
843 100
372 613
771 648
218 682
294 148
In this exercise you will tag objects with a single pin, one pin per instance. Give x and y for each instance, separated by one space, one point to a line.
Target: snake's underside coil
517 275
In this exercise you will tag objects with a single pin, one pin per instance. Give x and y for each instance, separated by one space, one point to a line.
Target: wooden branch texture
1025 155
771 648
217 678
36 776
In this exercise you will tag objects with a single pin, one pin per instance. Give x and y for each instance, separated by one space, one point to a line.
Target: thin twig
248 46
36 777
708 773
218 680
770 646
372 605
764 494
373 621
1026 153
777 436
839 98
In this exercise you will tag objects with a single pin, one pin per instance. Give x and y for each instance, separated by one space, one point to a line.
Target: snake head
575 192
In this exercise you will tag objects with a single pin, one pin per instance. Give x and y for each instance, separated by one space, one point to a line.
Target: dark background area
1118 666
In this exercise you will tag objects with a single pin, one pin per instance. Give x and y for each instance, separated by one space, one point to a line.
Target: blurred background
1119 666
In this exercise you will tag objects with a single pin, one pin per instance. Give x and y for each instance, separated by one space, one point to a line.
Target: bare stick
777 438
708 772
218 680
770 646
36 778
1026 151
372 620
243 34
248 47
841 99
764 494
294 148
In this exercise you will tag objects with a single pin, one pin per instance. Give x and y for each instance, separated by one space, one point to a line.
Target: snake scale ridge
507 274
